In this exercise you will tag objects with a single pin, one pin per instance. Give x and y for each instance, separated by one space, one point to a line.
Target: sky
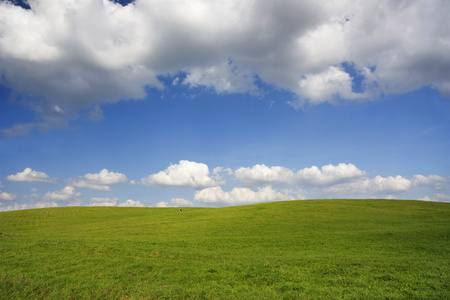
218 103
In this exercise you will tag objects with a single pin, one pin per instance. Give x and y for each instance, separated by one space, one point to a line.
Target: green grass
320 249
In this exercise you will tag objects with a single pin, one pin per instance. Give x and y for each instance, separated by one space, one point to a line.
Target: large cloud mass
66 58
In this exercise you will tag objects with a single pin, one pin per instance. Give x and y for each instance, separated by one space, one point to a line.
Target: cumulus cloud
67 58
435 181
437 197
17 206
426 198
328 174
262 174
67 194
224 78
185 173
98 201
7 196
175 202
369 186
181 202
331 85
313 176
100 181
242 195
131 203
442 197
325 181
163 204
332 180
29 175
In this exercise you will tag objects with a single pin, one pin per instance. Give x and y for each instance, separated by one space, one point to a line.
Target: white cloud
99 201
100 181
224 78
29 175
442 197
106 178
131 203
331 85
175 202
241 195
262 174
87 185
391 183
73 56
313 176
437 197
67 194
434 181
185 173
328 174
17 206
96 201
181 202
370 186
7 196
426 198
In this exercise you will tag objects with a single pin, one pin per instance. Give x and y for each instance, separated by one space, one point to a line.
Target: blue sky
204 103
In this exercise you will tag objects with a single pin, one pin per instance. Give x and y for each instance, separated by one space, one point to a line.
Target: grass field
318 249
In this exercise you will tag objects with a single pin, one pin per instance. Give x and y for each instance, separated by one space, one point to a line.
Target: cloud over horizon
344 179
242 195
86 54
259 183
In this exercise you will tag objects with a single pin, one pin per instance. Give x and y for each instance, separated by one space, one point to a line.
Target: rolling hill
309 249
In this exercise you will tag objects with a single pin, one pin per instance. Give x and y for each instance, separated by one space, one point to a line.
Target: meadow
309 249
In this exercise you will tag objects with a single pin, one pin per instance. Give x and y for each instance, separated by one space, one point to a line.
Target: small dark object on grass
181 210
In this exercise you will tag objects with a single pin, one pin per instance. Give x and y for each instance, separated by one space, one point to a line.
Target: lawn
315 249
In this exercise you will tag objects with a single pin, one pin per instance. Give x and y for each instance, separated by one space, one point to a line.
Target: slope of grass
335 249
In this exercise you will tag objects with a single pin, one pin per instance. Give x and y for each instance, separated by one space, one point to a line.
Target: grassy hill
319 249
